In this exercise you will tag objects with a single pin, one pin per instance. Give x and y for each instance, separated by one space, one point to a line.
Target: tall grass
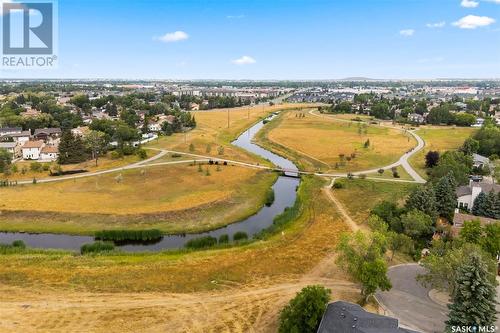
129 235
201 242
269 197
17 246
97 247
240 236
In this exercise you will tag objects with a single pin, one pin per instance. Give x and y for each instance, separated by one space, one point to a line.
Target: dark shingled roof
344 317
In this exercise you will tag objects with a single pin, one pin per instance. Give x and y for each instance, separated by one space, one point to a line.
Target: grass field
440 139
212 131
174 198
360 196
238 289
320 141
103 163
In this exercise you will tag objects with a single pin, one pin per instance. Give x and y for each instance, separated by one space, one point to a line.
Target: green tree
96 144
431 159
5 159
417 224
455 162
362 256
490 242
471 232
480 205
398 243
470 146
473 300
304 312
423 198
71 149
446 198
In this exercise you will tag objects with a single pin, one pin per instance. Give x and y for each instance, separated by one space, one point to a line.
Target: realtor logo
28 31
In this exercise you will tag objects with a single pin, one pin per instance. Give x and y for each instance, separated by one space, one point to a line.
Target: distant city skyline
276 40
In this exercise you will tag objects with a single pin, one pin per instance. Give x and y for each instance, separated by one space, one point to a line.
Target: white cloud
245 60
171 37
473 22
494 1
469 3
407 32
436 25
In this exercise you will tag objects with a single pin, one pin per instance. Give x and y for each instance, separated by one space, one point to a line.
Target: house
11 147
80 131
194 106
48 135
20 137
344 317
479 122
459 219
155 127
480 161
416 118
468 193
31 150
10 130
49 153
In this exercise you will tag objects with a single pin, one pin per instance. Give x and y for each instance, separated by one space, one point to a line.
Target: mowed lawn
322 140
439 139
152 196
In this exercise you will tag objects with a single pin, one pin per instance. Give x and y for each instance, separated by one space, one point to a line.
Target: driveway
410 302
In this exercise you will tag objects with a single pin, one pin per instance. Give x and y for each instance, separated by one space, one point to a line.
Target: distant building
479 122
480 161
344 317
49 153
11 147
459 219
48 135
466 195
416 118
10 130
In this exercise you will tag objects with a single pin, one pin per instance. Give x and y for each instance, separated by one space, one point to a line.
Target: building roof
459 219
10 129
479 158
33 144
8 145
48 131
20 134
485 187
50 150
344 317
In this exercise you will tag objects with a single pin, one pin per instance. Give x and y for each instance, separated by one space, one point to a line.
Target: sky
282 39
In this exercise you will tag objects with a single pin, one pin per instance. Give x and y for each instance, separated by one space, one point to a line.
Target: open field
238 289
360 196
212 131
319 142
175 198
103 163
440 139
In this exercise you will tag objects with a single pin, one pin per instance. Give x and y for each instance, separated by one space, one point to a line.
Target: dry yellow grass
175 198
322 140
212 131
439 139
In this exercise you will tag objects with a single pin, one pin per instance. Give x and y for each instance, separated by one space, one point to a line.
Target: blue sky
292 39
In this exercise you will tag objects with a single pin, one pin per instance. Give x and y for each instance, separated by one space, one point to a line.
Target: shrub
304 312
362 176
45 167
338 185
175 155
36 167
129 235
269 197
381 171
97 247
201 242
116 155
19 243
223 239
142 154
240 236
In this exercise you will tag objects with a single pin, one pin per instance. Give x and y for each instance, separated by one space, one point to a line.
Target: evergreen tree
496 207
474 295
71 149
446 198
490 202
423 198
479 207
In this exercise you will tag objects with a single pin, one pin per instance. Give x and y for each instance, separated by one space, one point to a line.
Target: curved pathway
403 160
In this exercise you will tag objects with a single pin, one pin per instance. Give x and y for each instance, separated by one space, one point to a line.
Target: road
410 302
403 160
